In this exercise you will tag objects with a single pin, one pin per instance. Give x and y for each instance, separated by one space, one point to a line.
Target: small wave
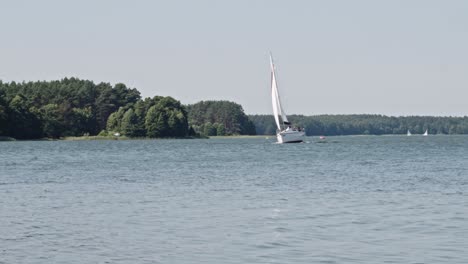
282 229
223 190
269 245
127 180
52 181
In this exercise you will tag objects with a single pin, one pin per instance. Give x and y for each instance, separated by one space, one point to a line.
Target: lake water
365 199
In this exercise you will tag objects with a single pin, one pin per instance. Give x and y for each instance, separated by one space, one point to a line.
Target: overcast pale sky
405 57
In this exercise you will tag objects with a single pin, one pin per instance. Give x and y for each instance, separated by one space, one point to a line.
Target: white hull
290 136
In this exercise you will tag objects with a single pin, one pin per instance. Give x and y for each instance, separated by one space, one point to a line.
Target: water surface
366 199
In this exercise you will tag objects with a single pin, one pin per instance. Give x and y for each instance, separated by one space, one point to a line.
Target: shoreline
99 138
91 138
240 136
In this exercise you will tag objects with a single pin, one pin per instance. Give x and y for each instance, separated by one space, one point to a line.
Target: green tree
177 123
115 120
81 121
52 121
209 129
3 114
220 130
156 123
130 124
229 114
26 123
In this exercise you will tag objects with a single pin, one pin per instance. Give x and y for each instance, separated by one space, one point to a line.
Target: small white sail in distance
408 133
426 133
275 98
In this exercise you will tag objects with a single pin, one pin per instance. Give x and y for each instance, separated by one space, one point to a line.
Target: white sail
409 133
425 133
275 97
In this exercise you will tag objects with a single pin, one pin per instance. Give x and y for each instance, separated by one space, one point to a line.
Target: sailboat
408 133
425 133
284 133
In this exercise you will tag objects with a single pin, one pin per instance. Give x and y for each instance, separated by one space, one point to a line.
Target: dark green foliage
26 119
111 99
81 121
365 124
220 130
153 117
192 132
69 107
114 121
177 121
130 125
155 123
52 121
203 115
74 107
3 114
209 129
165 118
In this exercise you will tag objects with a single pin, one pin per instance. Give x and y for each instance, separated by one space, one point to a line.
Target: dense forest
156 117
74 107
68 107
365 124
219 118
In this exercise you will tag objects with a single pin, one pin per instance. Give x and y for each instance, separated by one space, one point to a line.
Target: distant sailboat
425 133
408 133
284 133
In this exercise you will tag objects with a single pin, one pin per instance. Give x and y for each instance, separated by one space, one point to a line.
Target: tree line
219 118
68 107
365 124
75 107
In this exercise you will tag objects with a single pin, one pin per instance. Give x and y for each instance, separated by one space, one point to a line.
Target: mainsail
275 98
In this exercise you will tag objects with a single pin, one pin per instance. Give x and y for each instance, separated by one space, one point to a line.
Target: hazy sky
387 57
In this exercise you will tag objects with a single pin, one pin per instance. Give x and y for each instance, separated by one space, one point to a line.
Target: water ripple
358 200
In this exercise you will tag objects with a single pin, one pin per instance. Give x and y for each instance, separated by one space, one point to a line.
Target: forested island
75 107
